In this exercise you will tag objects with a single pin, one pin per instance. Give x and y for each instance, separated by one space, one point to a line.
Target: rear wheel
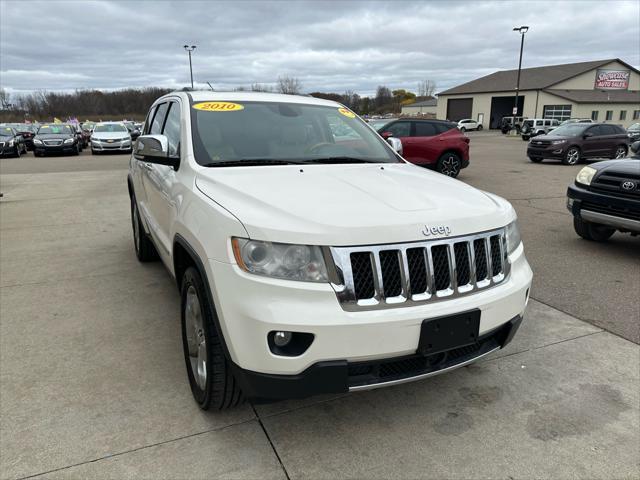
212 383
145 250
449 164
621 152
462 129
572 157
592 231
479 127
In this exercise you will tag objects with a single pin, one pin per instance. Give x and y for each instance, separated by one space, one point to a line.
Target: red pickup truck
430 143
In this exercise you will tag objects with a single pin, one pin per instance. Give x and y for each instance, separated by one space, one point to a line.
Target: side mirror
154 149
396 144
635 147
587 135
386 135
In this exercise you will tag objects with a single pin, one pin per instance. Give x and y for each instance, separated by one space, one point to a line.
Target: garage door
459 108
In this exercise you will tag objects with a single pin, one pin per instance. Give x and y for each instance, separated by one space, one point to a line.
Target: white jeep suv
310 257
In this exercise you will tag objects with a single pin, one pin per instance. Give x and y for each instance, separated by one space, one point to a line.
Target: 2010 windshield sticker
218 106
346 112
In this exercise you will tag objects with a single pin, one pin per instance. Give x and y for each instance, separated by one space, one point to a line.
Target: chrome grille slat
360 278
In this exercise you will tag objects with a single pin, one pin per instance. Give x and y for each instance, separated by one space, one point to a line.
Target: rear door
425 142
612 137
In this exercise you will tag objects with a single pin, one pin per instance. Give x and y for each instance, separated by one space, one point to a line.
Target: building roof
597 96
432 102
536 78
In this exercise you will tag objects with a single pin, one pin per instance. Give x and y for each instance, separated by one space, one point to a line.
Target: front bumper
341 376
54 149
618 212
250 306
549 151
111 147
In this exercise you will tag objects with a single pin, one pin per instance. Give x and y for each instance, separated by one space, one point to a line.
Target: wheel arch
185 256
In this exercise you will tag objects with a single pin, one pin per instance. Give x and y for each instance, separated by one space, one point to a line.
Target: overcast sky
328 45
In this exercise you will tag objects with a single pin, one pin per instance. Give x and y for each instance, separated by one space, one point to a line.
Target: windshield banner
612 79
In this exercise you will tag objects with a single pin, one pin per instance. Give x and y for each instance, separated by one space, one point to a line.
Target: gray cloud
328 45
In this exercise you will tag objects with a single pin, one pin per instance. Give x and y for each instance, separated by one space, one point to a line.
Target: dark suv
430 143
574 141
605 197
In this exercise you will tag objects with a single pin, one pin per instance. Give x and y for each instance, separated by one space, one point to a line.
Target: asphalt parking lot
94 385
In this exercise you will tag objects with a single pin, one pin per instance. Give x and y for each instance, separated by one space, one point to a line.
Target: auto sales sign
612 79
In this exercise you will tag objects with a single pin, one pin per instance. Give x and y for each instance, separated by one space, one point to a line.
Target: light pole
190 49
522 30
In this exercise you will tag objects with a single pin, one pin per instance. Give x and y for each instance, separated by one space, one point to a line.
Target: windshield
635 126
570 129
6 132
88 125
273 133
54 129
110 127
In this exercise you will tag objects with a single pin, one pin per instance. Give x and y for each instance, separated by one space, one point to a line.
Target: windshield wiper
329 160
252 162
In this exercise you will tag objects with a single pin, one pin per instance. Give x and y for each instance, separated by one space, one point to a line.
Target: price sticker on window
346 112
218 106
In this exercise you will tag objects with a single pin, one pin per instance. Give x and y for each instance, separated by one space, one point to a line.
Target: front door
425 138
595 143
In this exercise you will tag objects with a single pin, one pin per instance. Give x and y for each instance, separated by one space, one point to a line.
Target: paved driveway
93 382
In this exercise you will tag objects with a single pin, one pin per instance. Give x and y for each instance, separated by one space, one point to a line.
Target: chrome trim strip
420 377
610 220
345 292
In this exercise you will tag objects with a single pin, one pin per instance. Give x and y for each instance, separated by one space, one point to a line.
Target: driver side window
399 129
172 129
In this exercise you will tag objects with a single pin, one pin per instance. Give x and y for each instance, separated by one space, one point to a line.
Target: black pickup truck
605 198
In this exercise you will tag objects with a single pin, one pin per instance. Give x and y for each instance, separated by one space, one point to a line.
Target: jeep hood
350 204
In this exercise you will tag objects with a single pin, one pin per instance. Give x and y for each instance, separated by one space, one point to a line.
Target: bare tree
289 85
261 87
426 88
4 99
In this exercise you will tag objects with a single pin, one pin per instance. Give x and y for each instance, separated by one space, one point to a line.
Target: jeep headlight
68 141
280 260
512 234
586 175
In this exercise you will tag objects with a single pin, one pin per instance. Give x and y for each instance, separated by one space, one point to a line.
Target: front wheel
621 152
572 157
592 231
212 383
525 137
479 127
449 164
17 152
462 129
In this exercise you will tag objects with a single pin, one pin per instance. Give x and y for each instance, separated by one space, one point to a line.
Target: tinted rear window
442 127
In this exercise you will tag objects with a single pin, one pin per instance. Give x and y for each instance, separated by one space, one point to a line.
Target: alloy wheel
451 166
573 155
196 341
620 152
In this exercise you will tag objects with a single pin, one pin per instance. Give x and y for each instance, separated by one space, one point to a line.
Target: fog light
282 338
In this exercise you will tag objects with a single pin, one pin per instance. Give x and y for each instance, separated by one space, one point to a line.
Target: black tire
479 127
218 389
620 151
449 164
95 152
462 129
76 151
17 152
592 231
24 149
144 248
572 156
36 154
525 137
535 159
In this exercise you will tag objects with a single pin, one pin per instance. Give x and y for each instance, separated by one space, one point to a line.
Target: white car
309 264
469 124
110 136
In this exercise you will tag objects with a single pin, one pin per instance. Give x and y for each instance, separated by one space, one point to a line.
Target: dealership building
603 90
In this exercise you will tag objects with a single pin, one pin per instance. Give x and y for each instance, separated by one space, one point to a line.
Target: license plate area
446 333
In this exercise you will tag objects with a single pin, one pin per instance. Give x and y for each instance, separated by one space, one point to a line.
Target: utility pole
522 30
190 49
